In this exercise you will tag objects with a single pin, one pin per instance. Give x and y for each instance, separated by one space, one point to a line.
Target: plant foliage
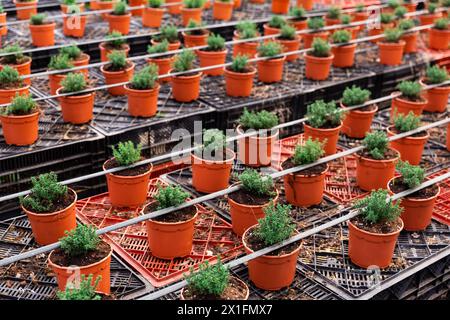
21 105
320 48
73 82
315 23
117 60
146 78
184 61
310 152
255 183
60 62
80 241
435 74
276 226
269 49
277 22
126 153
215 42
239 64
412 176
375 208
321 114
410 89
258 120
354 96
377 144
159 47
404 123
170 196
209 280
341 36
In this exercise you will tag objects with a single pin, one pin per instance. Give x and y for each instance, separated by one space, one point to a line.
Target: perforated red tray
213 236
442 206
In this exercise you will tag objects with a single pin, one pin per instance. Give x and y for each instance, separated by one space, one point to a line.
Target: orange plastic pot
256 151
55 82
172 45
104 51
391 54
417 213
106 5
4 29
77 109
268 30
330 135
223 10
248 49
280 6
23 69
211 58
426 19
308 38
239 84
410 42
207 4
119 23
142 103
50 227
169 240
83 61
100 268
6 96
237 4
306 4
318 68
112 77
74 26
361 16
271 70
136 3
186 88
289 46
357 123
210 176
93 4
304 191
127 191
403 106
175 9
354 31
344 56
65 8
244 216
437 98
164 64
332 22
20 130
25 14
191 14
193 40
367 249
43 35
410 148
299 24
272 272
410 6
438 39
374 174
152 17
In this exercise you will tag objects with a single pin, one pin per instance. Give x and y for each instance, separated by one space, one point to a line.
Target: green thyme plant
214 141
310 152
410 89
276 226
360 7
315 23
412 176
239 64
155 3
441 24
146 78
126 153
288 33
298 13
73 52
38 19
255 183
375 208
120 9
406 24
258 120
184 61
346 19
320 48
215 43
86 290
60 62
334 12
160 47
432 8
169 33
209 280
404 123
45 192
73 82
386 18
193 4
355 95
247 30
393 4
21 105
341 36
117 60
15 54
435 75
69 2
269 49
10 76
193 26
321 114
400 12
392 35
277 22
80 241
376 143
170 196
114 39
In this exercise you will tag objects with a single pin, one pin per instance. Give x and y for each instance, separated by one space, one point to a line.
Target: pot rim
197 36
255 206
240 131
304 175
28 61
39 111
197 75
414 199
51 263
102 45
35 214
316 34
236 278
154 9
131 67
169 223
439 30
110 14
326 130
127 177
381 235
347 46
157 87
85 57
153 41
16 89
424 102
26 2
281 59
161 59
191 9
212 53
409 137
400 43
358 110
381 160
324 59
442 88
39 26
253 72
229 151
58 91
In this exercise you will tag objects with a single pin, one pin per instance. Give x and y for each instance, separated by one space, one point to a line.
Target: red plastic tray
442 206
213 236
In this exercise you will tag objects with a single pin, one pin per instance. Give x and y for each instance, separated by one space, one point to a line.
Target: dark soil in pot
327 125
59 258
136 171
398 186
109 47
419 99
58 204
316 170
173 217
415 135
244 197
234 291
255 243
12 86
18 62
366 108
110 69
389 154
380 228
214 156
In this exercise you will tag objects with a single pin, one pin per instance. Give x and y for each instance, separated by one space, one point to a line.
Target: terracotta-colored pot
127 191
374 174
417 213
164 64
237 4
50 227
223 10
20 130
23 69
367 249
152 17
438 39
211 58
3 29
304 190
280 6
403 106
119 23
82 61
193 40
332 22
330 135
137 3
344 56
142 103
239 84
175 9
242 284
357 123
99 268
391 54
25 14
306 4
268 31
65 8
55 82
77 109
43 35
354 31
377 31
410 148
112 77
6 95
437 98
207 5
308 38
256 151
318 68
248 49
211 175
74 26
272 272
106 5
104 51
299 25
191 14
270 71
289 46
361 16
168 240
186 88
410 6
244 216
410 42
426 19
172 45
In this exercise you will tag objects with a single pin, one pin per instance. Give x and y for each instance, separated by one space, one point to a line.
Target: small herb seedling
146 78
85 291
80 241
386 18
115 40
60 62
315 23
38 19
406 24
126 153
377 144
214 142
436 75
376 208
117 60
400 12
120 9
73 52
410 89
404 123
269 49
239 64
170 196
321 114
441 24
255 183
276 226
355 96
392 35
15 54
21 105
209 280
298 13
215 43
334 12
310 152
9 76
412 176
159 47
288 33
277 22
247 30
320 48
193 4
258 120
73 82
341 36
155 3
184 61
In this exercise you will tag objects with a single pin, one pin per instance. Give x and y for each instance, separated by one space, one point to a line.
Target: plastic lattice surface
442 207
213 237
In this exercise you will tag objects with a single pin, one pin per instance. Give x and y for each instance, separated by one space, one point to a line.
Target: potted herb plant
346 20
192 10
74 25
42 31
77 57
25 8
214 282
119 19
318 60
20 121
409 100
211 164
245 30
65 4
373 234
277 269
289 41
118 70
137 3
410 5
78 107
431 17
418 206
357 122
86 290
185 87
439 35
142 92
239 77
58 62
386 22
50 208
195 36
305 188
280 6
437 97
256 151
298 19
223 10
391 6
391 48
169 33
411 147
164 63
106 5
375 165
175 7
214 54
333 16
270 70
410 38
314 25
114 42
361 14
127 187
274 25
400 12
153 14
247 204
344 53
161 230
17 60
83 248
11 84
